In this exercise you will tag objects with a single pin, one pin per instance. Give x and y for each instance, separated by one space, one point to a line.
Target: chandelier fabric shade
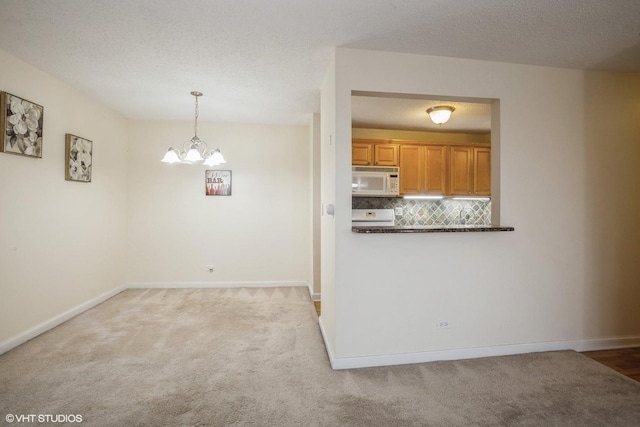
195 150
440 114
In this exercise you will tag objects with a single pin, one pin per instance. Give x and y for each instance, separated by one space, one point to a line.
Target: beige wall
315 169
566 273
612 206
261 233
329 295
61 243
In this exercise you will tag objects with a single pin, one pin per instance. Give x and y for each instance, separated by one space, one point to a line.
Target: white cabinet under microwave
375 181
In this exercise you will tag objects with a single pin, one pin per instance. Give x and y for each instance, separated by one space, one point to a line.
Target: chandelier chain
195 125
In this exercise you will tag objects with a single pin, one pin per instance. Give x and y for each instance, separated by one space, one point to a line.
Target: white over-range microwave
375 181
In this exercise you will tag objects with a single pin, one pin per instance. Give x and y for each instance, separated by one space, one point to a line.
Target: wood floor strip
624 360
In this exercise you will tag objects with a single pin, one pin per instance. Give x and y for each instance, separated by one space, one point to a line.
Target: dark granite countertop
428 228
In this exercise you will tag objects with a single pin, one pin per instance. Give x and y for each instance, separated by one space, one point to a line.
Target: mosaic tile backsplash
430 212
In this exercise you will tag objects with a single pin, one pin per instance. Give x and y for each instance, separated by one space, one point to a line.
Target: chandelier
194 150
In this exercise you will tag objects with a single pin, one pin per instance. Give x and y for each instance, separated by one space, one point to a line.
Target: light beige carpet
254 357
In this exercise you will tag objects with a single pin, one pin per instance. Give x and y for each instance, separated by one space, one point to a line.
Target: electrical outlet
210 268
398 211
442 324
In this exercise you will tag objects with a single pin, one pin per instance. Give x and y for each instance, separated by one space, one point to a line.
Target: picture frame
217 183
21 122
78 158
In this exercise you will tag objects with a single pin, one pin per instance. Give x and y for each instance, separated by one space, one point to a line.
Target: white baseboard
43 327
326 344
203 285
595 344
314 296
473 353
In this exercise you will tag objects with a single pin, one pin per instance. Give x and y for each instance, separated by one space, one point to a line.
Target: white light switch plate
398 211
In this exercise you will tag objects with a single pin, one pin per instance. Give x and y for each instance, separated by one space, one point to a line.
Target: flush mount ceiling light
440 114
194 150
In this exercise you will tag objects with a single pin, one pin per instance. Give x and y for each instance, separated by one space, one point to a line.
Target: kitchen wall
412 135
427 212
540 287
62 243
262 233
430 212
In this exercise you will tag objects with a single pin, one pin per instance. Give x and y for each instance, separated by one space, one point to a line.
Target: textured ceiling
263 60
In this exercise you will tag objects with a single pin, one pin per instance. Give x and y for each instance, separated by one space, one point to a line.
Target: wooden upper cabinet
385 154
461 173
374 153
361 154
411 169
423 169
470 171
435 169
482 171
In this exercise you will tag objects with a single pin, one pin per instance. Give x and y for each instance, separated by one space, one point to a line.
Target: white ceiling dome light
440 114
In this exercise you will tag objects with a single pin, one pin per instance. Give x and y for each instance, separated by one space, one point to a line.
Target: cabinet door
361 154
385 154
411 169
460 177
482 171
435 169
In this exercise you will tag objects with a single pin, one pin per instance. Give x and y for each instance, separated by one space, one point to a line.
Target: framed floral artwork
217 183
21 122
79 158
